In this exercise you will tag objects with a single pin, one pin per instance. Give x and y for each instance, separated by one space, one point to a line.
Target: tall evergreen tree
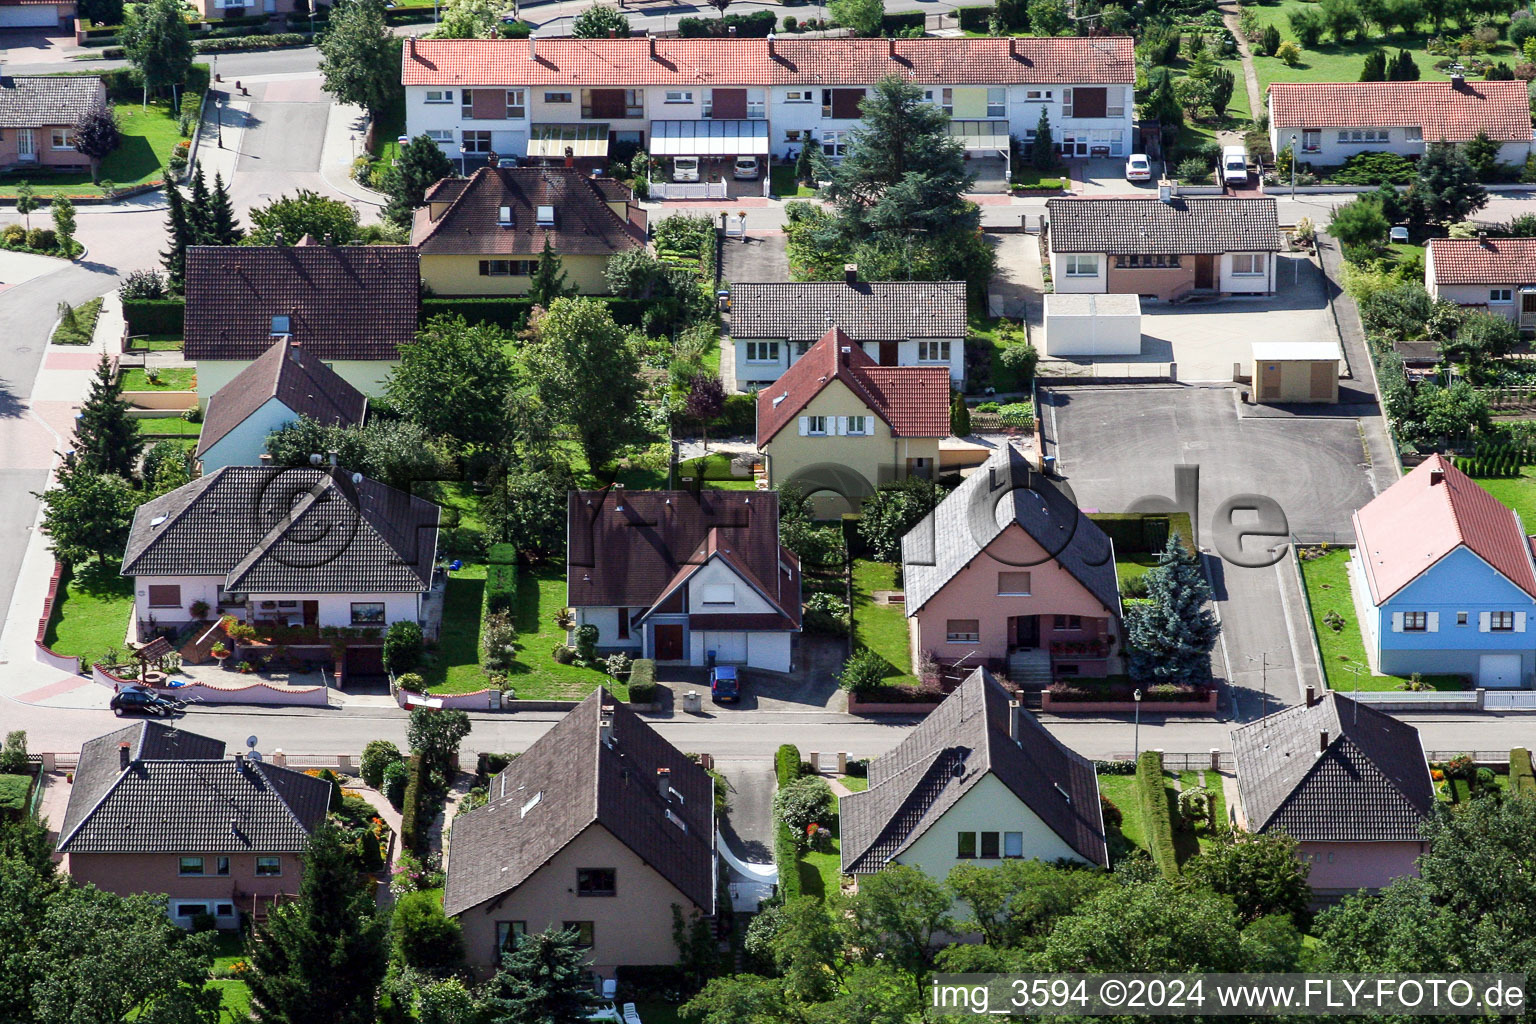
1171 635
542 980
106 440
320 960
959 415
174 259
1375 67
199 212
1403 68
421 164
1042 152
548 278
1447 185
223 227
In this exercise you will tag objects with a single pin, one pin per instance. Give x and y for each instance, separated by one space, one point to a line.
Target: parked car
1138 168
685 168
1234 165
747 168
724 686
142 700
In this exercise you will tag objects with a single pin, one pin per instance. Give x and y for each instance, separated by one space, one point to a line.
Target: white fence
1509 700
664 190
1415 697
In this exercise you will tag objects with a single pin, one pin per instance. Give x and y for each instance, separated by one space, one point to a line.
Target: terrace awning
709 138
975 135
551 140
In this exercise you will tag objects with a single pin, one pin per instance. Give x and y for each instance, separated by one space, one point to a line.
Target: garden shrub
1113 818
756 25
403 646
1374 168
13 756
501 578
14 790
975 19
786 764
378 755
862 672
805 801
42 239
1153 802
826 613
1017 414
410 811
1521 777
396 774
498 635
642 681
510 314
424 938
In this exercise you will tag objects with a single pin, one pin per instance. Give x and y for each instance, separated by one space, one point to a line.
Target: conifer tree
959 415
542 980
198 211
223 227
1171 634
106 440
174 259
548 279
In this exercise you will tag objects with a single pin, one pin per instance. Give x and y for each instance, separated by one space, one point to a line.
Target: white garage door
729 648
29 16
1498 670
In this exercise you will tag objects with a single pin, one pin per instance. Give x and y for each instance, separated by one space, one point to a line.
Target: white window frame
762 352
439 96
834 144
1499 296
1496 620
800 96
184 869
757 104
1253 261
1066 102
678 96
441 136
962 636
1114 102
1038 95
1080 264
517 104
62 139
1029 584
465 141
559 97
1013 845
1413 133
467 104
816 426
718 594
858 425
276 862
997 101
933 351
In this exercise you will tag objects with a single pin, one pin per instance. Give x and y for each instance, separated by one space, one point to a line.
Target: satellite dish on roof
357 478
256 756
250 741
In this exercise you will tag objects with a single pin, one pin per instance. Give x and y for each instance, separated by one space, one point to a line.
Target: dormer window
545 215
504 216
282 325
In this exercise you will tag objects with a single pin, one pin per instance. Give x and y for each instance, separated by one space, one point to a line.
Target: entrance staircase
1029 669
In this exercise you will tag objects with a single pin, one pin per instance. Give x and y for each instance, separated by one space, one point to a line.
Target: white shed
1081 324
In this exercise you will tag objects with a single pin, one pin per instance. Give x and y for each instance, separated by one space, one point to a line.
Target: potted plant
220 654
199 609
245 668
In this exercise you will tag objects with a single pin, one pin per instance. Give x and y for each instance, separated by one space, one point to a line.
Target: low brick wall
480 700
856 706
166 400
42 651
1126 707
245 693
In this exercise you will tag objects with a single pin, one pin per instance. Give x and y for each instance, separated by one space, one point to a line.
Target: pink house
38 114
1008 569
1348 783
159 810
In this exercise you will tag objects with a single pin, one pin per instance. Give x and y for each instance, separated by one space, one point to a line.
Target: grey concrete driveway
755 257
1116 445
748 822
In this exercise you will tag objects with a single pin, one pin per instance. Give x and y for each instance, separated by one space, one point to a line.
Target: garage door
729 648
1498 670
30 16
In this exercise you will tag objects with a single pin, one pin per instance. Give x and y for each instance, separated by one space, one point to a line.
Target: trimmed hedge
410 810
756 25
1521 778
900 22
974 19
1155 820
276 41
786 768
510 314
127 84
642 681
154 316
501 578
14 791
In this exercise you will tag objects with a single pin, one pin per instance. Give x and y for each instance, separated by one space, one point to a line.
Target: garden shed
1082 324
1296 371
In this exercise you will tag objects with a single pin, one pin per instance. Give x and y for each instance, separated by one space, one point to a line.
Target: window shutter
842 424
1482 622
1519 622
805 425
1434 622
1397 622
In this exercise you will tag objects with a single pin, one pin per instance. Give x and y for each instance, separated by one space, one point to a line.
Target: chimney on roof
239 762
730 30
770 44
410 46
1016 722
1311 695
1322 741
277 238
1482 240
1436 477
650 38
533 49
613 33
850 273
1013 47
664 784
1457 79
605 725
124 758
492 159
570 156
330 238
890 47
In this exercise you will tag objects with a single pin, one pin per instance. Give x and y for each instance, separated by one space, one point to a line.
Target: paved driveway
1115 445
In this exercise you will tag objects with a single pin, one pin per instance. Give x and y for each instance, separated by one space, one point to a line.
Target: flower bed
1085 696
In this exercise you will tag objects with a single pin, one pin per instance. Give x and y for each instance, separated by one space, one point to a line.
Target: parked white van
685 168
1234 165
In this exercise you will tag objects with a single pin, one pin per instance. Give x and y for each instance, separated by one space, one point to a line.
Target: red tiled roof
1444 111
912 400
1417 521
1483 261
702 62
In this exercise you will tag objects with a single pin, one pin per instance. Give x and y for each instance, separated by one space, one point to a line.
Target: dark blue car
724 686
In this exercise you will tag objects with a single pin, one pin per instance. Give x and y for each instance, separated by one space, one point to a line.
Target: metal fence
1177 761
663 190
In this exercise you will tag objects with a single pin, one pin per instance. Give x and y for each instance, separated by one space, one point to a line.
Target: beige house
978 781
1497 275
838 425
38 114
483 235
601 827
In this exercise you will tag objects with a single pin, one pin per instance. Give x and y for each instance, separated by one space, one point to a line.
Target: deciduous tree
892 511
436 733
303 213
64 225
159 44
359 59
1260 872
597 21
86 514
453 378
861 17
96 136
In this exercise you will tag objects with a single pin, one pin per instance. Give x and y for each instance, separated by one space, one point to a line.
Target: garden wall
1126 707
173 401
857 706
248 693
42 652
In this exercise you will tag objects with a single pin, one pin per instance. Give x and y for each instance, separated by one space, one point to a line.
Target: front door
669 643
311 613
1026 630
1527 307
1205 276
888 353
1269 382
25 151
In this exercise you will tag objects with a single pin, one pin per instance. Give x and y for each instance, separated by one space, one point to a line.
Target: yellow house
837 424
483 235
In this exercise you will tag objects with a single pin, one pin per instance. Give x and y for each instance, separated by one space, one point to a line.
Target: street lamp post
1293 166
218 112
1136 696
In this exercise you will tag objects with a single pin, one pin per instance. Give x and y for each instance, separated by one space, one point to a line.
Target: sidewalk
225 118
61 385
345 128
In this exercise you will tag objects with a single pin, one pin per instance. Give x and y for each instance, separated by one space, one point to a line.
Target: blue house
1447 579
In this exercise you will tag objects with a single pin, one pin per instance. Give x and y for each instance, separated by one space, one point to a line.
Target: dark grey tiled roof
297 530
294 377
1368 782
1003 491
1185 225
179 795
30 102
959 743
865 310
580 781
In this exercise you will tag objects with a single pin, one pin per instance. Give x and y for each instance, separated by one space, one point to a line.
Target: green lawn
820 873
535 675
781 181
155 342
168 426
881 628
148 138
1133 567
1032 177
387 134
1120 790
235 995
84 326
173 379
855 783
91 614
1327 580
716 470
460 495
983 332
